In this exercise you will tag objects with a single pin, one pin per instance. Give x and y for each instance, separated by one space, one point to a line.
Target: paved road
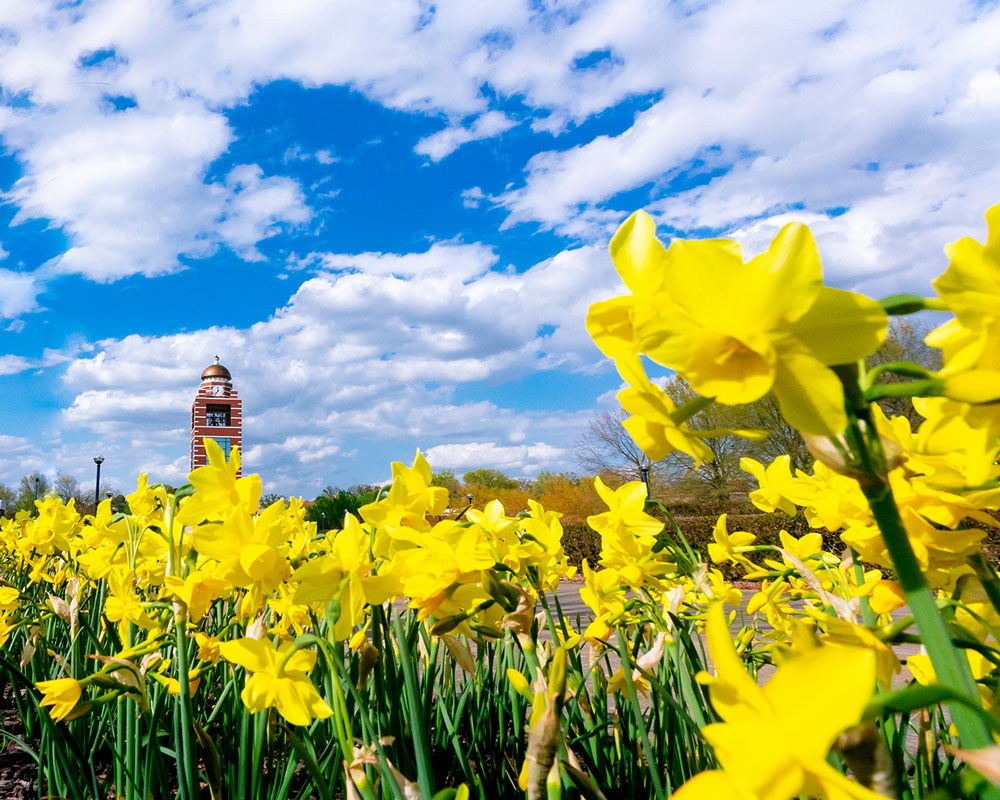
572 606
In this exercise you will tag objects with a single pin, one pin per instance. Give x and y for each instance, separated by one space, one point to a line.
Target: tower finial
216 359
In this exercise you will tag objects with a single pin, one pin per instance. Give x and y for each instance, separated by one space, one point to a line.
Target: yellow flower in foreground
738 330
971 284
62 694
774 740
278 679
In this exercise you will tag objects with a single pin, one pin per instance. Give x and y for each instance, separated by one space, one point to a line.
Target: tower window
217 416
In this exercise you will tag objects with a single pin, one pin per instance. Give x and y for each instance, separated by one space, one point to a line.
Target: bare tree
904 342
67 488
606 447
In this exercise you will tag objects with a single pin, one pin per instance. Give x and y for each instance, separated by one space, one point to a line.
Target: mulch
18 771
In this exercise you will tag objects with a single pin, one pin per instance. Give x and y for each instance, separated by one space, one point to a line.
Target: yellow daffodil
723 548
652 423
409 500
970 286
773 741
61 694
737 330
773 483
278 679
603 594
196 591
626 509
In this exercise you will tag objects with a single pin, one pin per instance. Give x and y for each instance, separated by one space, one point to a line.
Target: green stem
869 462
187 765
867 615
640 723
923 388
416 718
948 664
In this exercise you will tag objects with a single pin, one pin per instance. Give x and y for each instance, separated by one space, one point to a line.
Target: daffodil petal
810 395
841 327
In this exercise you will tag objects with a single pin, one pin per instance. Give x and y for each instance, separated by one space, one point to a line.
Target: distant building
217 413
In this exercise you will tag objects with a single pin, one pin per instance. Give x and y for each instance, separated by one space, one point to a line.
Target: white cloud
11 365
519 459
18 293
792 104
451 259
875 109
447 141
256 208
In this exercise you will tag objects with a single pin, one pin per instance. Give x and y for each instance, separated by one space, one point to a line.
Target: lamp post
645 479
38 482
97 487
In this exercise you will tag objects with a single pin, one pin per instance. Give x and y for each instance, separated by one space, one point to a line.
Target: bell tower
217 413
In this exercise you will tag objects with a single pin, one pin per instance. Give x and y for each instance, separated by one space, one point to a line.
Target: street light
97 488
38 482
645 479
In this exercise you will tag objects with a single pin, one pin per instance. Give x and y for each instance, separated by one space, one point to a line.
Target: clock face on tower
216 390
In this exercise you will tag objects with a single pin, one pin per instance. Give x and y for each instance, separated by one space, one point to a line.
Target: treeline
36 486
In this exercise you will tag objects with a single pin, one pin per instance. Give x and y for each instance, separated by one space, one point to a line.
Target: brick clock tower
217 413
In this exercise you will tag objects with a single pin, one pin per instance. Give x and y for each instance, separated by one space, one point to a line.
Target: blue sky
389 219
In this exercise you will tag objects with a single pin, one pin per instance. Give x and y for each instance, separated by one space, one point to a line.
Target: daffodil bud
543 742
368 660
506 594
448 624
557 675
520 684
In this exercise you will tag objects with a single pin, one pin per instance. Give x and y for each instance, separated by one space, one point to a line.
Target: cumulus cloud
447 141
868 121
521 459
18 293
822 106
369 349
875 123
11 365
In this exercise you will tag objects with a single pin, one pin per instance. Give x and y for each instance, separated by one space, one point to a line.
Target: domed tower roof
216 370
